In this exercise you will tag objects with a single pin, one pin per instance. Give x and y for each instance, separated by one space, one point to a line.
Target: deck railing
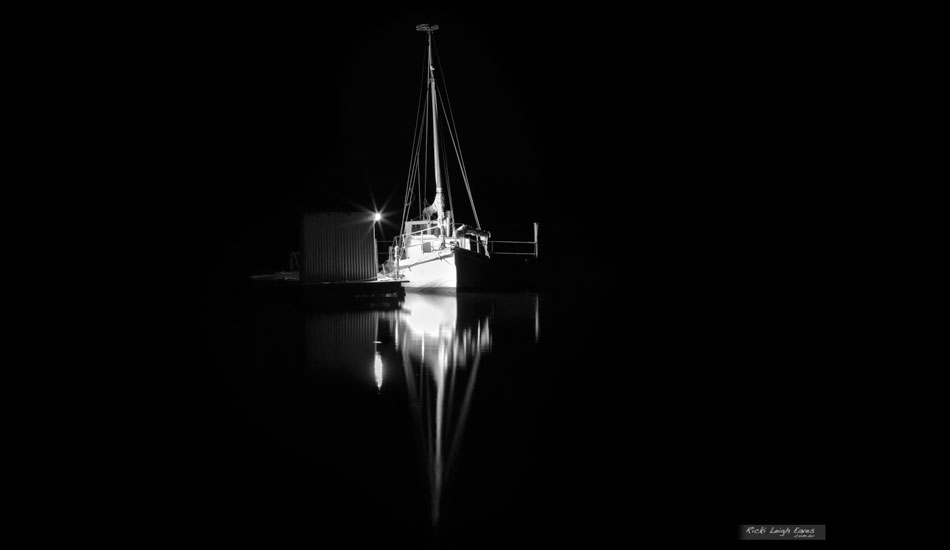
383 251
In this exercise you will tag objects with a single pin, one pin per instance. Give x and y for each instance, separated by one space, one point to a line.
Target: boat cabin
426 236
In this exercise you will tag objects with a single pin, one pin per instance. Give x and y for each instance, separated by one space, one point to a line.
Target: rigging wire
458 154
421 105
415 131
425 157
453 134
417 179
407 206
423 167
448 183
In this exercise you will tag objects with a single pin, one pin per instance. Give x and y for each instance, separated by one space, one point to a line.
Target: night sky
704 136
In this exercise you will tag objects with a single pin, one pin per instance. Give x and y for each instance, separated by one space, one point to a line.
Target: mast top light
427 28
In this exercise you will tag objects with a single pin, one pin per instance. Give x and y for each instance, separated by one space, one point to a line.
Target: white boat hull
447 269
460 269
432 271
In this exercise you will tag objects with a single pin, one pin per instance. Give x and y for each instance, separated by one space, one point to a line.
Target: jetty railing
534 245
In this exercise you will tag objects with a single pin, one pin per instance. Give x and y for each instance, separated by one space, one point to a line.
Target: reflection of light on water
440 341
429 315
440 357
378 370
537 319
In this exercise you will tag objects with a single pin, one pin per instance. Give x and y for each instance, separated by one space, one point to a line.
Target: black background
687 163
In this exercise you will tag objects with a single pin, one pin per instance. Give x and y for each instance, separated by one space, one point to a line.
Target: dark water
483 419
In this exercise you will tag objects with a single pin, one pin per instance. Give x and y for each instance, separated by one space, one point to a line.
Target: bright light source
377 216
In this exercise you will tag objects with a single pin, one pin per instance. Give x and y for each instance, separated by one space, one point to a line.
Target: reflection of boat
433 252
441 345
442 342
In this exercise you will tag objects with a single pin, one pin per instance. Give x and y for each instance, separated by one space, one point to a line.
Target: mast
438 204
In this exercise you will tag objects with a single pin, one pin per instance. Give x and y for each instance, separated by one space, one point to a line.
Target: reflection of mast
437 354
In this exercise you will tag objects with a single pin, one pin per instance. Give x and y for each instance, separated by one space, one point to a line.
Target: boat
432 252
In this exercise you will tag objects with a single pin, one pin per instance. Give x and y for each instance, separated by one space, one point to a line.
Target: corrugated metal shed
338 247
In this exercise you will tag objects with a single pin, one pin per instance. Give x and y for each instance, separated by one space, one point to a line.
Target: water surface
482 419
